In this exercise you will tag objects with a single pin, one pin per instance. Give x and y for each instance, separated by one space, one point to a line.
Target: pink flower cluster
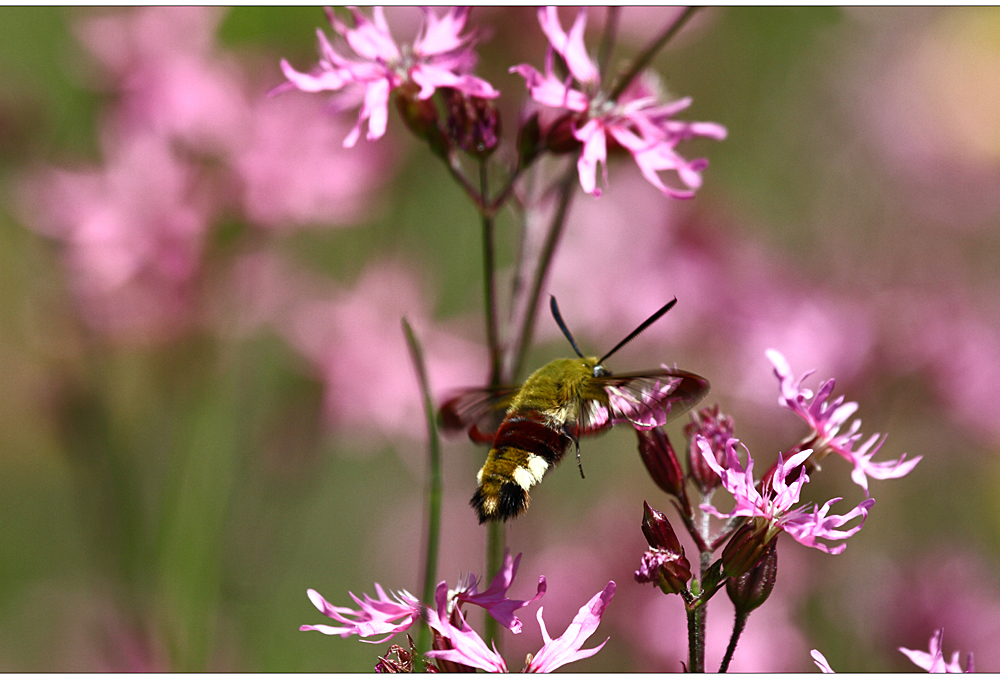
776 504
392 615
826 419
635 119
189 139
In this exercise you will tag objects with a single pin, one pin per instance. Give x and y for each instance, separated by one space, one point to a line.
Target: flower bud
421 117
559 137
717 428
664 563
661 462
746 548
529 138
473 123
397 659
750 590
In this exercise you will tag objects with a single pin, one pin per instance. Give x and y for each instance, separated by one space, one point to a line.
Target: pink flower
634 120
353 337
821 662
168 76
566 649
494 599
469 648
375 617
132 233
295 171
391 616
826 420
776 504
934 662
439 57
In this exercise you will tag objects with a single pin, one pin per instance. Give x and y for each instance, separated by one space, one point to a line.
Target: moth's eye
599 371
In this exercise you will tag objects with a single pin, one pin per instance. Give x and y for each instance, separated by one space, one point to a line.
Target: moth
561 402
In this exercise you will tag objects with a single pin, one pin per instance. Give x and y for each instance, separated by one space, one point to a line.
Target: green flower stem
642 61
489 281
434 481
738 625
696 615
495 548
566 192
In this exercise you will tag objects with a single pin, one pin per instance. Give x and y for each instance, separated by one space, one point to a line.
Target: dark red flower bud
717 428
661 462
750 590
664 563
397 660
559 137
473 123
421 117
746 548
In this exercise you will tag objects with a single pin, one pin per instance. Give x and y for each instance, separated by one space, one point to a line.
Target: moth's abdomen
524 449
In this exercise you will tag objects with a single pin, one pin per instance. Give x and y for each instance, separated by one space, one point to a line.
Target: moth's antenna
645 324
562 326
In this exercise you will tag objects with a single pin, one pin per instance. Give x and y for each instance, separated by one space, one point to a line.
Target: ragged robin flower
469 649
774 506
439 57
634 119
717 428
934 661
825 419
392 615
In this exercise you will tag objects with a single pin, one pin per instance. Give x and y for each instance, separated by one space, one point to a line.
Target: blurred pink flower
296 172
934 662
643 127
132 233
946 335
438 57
897 599
825 420
168 77
776 504
355 340
469 648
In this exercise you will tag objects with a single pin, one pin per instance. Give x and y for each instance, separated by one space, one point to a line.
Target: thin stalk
434 483
642 61
738 625
608 41
489 282
493 206
566 193
455 168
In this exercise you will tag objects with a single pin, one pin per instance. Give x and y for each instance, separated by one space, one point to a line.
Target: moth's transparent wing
478 411
645 400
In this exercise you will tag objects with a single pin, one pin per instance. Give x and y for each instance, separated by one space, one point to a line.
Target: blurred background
207 405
